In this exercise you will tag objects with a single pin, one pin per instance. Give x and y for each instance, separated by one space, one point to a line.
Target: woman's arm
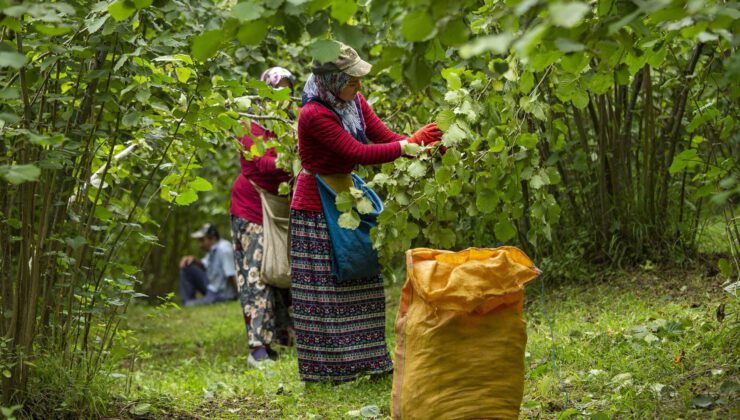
319 123
266 162
376 131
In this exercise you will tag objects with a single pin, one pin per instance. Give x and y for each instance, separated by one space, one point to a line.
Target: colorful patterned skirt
339 326
266 308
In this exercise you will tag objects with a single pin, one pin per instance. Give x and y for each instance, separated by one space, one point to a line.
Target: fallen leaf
702 401
141 409
622 379
679 357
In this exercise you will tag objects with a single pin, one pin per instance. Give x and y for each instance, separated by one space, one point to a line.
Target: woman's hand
436 146
430 133
412 149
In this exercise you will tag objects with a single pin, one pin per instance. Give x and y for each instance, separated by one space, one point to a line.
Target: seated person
214 276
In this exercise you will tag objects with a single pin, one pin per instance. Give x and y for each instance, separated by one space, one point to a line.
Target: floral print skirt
266 308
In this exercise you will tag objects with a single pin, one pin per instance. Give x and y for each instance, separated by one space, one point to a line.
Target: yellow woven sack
460 335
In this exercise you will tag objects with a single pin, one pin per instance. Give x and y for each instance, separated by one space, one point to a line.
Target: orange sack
460 334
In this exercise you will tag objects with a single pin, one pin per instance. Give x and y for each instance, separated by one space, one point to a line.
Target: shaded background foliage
595 132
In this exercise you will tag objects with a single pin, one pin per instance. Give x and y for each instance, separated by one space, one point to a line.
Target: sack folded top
476 280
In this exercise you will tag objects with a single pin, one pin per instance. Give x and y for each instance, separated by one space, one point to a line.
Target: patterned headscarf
324 88
274 75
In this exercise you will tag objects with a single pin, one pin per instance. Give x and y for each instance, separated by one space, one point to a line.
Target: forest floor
642 344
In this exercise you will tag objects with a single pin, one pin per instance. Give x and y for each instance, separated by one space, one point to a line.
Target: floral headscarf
274 75
324 88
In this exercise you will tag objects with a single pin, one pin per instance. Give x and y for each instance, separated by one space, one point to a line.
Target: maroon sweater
245 200
326 148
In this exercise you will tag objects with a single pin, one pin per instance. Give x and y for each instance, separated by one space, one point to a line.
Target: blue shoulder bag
353 256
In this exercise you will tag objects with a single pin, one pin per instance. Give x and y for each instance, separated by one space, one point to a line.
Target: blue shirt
219 263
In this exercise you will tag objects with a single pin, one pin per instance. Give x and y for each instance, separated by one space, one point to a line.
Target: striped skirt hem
339 326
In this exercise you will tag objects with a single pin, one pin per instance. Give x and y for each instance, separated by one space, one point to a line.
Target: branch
266 117
24 87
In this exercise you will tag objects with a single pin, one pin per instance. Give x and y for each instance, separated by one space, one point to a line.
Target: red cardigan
326 148
245 200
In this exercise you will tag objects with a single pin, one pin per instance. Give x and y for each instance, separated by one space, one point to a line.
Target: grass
635 345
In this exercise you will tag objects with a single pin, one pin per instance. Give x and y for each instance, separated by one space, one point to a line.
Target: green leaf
498 44
499 144
418 73
486 200
51 30
537 181
7 374
452 78
540 60
344 201
454 187
443 175
183 74
417 26
455 33
600 83
417 169
12 59
17 174
207 44
141 4
121 10
252 33
454 135
686 159
284 188
504 229
412 230
200 184
349 220
247 11
411 149
604 7
568 14
343 10
567 46
186 198
365 206
580 99
447 238
724 267
103 213
76 242
527 140
324 50
574 63
526 82
131 119
445 118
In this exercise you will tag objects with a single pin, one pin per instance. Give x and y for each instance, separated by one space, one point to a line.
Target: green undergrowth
648 344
